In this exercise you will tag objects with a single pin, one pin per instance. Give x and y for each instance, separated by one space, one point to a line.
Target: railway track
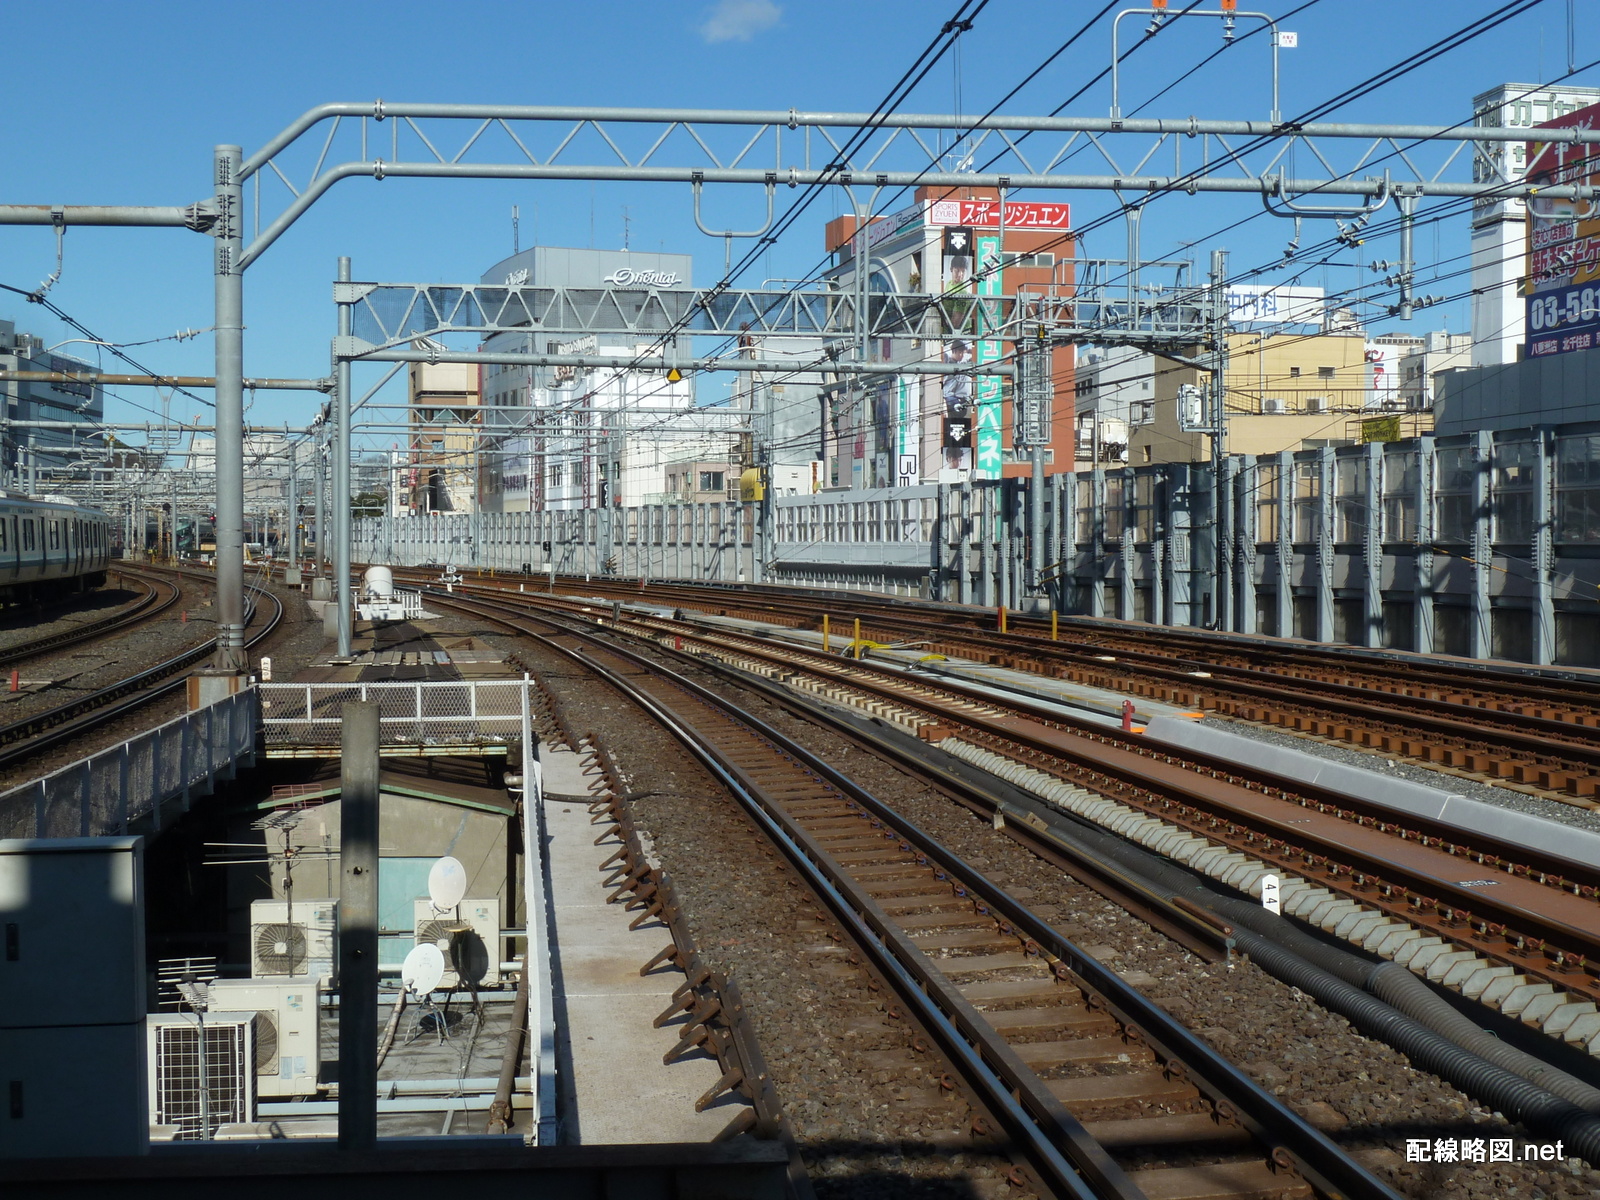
159 595
1503 923
46 730
1492 724
1098 1090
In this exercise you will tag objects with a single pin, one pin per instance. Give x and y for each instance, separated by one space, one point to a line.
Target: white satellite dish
423 969
447 883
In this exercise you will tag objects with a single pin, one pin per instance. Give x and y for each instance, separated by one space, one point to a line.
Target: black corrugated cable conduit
1335 979
1516 1097
1389 981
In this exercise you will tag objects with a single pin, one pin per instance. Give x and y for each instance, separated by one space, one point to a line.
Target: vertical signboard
908 427
1563 265
987 435
958 351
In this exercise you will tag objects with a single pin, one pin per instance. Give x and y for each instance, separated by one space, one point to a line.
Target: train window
27 533
3 544
55 535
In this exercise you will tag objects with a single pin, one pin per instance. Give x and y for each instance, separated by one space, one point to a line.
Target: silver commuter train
50 546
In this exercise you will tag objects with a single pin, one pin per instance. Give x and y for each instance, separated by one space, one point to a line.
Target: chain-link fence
434 717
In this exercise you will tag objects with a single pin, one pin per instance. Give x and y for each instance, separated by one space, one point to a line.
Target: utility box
72 979
207 687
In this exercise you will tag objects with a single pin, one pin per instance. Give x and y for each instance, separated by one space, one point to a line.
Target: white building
559 438
1114 389
1499 226
1439 352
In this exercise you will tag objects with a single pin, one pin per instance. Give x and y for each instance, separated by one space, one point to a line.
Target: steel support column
1543 601
1422 579
358 927
1284 550
1324 557
1372 627
341 474
1482 632
1249 534
1180 560
1097 542
228 279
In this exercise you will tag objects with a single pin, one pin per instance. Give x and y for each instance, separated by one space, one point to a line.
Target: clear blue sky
122 103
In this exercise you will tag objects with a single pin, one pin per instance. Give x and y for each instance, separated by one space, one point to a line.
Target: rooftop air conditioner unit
477 947
287 945
287 1031
1271 404
174 1044
1316 404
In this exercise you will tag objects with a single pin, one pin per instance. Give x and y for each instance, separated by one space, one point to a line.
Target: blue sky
122 102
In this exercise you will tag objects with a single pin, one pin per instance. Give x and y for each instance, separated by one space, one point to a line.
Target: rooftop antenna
447 884
294 942
626 221
419 975
516 232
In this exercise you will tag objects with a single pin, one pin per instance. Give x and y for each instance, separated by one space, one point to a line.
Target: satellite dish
423 969
447 883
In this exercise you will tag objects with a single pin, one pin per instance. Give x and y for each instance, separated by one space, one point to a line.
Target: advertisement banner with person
957 443
1563 239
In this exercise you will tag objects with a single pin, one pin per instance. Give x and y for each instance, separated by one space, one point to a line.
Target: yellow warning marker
827 647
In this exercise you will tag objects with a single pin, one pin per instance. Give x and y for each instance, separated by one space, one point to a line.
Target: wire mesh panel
436 717
181 1098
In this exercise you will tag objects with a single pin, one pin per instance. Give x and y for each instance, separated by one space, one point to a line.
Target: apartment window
711 481
1030 260
1325 372
1294 372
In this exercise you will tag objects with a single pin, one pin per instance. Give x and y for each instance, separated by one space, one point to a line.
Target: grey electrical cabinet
72 997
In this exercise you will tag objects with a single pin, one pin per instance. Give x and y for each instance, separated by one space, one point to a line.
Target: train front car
50 546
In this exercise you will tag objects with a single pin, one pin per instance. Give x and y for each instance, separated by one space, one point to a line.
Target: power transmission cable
1452 41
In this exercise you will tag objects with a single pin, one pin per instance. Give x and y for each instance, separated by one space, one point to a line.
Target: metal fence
448 717
106 792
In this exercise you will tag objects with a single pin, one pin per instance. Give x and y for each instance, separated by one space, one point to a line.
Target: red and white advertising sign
985 214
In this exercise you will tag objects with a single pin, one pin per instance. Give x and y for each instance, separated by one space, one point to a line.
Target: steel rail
1197 792
140 610
33 735
994 1074
1556 749
1282 1131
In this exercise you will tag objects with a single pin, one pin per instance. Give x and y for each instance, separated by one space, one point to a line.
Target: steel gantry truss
379 140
